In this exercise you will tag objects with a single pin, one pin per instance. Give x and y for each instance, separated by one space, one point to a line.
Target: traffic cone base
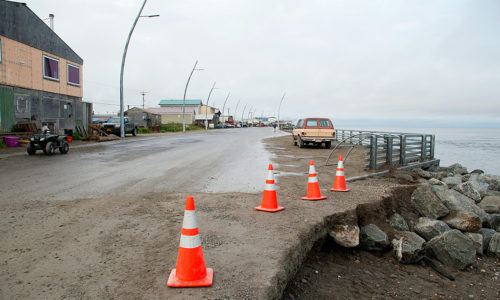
269 209
314 198
336 190
173 281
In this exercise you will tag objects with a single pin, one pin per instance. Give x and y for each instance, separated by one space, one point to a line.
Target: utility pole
143 94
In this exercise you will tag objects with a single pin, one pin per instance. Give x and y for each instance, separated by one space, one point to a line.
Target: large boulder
494 246
491 204
479 184
371 238
468 189
463 221
398 222
453 249
435 181
493 181
346 235
452 180
407 247
477 240
495 221
457 169
429 228
487 234
458 202
423 174
427 204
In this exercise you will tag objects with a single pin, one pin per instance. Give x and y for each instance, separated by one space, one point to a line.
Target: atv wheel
134 132
295 142
64 148
50 148
31 148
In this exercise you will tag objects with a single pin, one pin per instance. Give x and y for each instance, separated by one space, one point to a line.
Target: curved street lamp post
245 107
206 109
279 107
184 99
122 123
224 106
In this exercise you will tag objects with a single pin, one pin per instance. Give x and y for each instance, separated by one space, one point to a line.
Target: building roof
169 110
19 23
175 102
142 109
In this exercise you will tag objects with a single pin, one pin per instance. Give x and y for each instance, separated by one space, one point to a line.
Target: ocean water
474 148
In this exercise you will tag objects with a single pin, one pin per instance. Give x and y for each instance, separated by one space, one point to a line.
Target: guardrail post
433 142
388 142
350 137
373 152
402 154
423 151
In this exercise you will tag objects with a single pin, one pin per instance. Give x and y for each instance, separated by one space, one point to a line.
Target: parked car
112 125
314 131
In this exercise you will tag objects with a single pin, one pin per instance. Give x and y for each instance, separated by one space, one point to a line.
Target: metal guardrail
387 148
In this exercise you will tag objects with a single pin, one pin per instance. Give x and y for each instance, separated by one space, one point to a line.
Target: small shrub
144 130
76 136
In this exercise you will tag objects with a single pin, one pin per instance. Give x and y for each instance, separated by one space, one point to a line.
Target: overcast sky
394 63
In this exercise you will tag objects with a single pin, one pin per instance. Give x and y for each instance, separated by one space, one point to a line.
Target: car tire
64 148
301 143
328 145
49 148
134 132
31 149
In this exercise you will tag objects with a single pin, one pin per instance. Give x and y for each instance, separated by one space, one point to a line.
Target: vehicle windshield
113 120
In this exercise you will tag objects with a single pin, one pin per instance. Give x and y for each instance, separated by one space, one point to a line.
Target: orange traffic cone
190 270
313 191
339 182
269 199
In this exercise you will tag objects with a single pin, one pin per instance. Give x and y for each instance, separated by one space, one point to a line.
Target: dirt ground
123 247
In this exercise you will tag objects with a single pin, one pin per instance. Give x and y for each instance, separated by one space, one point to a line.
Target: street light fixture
206 109
184 99
279 107
122 123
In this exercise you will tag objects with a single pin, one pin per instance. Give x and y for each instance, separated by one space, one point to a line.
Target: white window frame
43 64
67 74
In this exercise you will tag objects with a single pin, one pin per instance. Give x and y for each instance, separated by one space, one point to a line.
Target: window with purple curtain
50 68
73 75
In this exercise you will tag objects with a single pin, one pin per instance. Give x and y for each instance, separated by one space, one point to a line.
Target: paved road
218 161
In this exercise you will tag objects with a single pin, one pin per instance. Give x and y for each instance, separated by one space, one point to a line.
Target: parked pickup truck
112 125
314 131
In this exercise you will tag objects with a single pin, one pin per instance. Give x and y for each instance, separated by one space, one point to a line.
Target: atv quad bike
48 143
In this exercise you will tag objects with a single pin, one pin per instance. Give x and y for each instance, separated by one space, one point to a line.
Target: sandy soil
124 246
